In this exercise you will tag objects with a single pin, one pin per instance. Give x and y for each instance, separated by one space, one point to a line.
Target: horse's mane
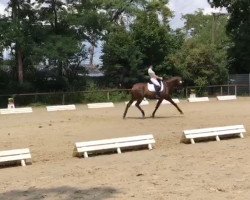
172 79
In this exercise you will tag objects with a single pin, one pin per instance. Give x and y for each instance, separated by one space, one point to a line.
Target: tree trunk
91 55
20 65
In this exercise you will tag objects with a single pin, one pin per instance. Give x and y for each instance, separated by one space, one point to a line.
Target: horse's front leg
127 107
156 107
171 101
138 106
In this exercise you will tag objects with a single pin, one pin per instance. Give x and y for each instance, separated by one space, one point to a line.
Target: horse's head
175 83
177 80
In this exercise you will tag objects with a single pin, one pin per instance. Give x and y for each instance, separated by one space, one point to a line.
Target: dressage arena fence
16 110
198 99
15 155
114 95
115 144
60 108
215 132
145 102
101 105
225 98
84 149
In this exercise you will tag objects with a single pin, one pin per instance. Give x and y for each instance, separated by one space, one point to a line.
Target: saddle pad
151 87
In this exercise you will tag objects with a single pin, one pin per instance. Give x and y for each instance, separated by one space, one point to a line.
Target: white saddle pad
151 87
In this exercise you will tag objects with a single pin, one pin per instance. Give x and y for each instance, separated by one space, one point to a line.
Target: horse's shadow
158 117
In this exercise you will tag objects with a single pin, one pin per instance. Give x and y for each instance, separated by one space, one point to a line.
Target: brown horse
140 90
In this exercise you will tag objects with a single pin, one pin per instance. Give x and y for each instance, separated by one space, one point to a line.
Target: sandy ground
172 170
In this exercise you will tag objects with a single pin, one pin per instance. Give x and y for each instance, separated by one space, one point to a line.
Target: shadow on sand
60 193
156 117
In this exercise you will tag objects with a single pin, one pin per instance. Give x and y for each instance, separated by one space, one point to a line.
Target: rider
154 79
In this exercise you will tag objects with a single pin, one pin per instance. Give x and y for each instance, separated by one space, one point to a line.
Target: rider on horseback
154 79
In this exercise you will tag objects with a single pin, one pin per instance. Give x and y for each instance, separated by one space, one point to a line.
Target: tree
62 49
146 39
121 58
154 39
207 29
202 57
238 28
47 39
199 64
91 22
18 33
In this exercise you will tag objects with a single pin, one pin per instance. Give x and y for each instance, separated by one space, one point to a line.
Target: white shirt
151 73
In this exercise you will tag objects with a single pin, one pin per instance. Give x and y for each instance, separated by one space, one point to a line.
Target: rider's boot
157 92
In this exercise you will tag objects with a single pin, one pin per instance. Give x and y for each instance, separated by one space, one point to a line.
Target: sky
179 7
3 5
182 7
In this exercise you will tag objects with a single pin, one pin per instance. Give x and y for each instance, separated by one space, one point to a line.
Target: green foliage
238 28
156 42
151 37
18 34
207 29
128 50
48 38
119 96
121 58
198 64
200 61
93 95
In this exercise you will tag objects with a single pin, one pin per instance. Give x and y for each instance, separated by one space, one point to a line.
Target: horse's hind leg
126 110
138 106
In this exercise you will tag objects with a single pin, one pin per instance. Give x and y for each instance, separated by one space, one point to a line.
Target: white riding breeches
155 82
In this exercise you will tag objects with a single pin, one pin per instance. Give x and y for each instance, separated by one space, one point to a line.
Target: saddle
151 87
